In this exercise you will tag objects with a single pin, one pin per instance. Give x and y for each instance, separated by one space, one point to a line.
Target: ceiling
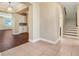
23 11
16 6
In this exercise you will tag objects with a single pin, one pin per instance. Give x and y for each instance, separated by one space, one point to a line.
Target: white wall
44 21
34 21
30 22
61 17
78 20
49 21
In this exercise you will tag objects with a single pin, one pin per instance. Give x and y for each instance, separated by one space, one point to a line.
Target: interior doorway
70 20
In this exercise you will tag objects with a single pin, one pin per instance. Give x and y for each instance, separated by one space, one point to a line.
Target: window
8 22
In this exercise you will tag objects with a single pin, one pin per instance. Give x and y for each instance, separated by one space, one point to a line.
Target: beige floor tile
67 47
49 52
65 51
75 51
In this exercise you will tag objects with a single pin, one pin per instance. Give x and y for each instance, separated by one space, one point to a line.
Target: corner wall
49 21
44 22
34 21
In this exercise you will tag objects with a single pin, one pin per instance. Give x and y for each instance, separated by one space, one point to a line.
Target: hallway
7 40
68 47
70 20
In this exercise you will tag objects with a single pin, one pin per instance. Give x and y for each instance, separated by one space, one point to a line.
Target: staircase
70 31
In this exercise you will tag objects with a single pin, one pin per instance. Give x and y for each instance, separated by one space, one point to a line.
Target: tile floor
68 47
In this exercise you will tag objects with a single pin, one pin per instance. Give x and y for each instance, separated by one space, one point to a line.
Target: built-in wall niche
23 24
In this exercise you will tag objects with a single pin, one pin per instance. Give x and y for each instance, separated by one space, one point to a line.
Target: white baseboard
34 40
46 40
49 41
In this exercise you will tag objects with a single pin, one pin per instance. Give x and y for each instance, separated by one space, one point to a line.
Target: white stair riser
70 31
70 37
